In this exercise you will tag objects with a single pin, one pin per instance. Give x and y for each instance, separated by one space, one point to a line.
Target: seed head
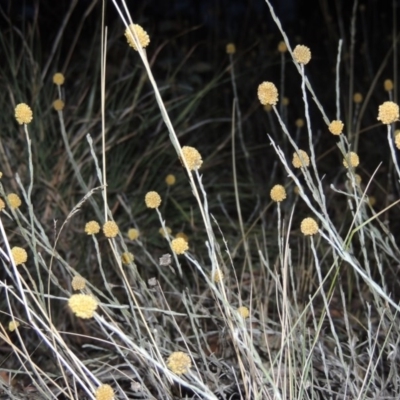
142 35
218 276
300 159
388 112
282 48
351 158
13 325
58 78
92 227
133 234
388 85
299 122
309 226
152 200
192 157
179 245
127 258
23 114
267 94
104 392
357 98
78 283
179 362
162 231
2 205
19 255
82 305
58 105
230 48
336 127
278 193
302 54
243 312
110 229
170 179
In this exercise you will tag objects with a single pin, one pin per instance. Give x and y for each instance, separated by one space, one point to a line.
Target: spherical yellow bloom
243 312
352 158
192 157
162 232
388 85
183 236
267 93
133 234
58 105
179 245
127 258
302 54
282 48
179 362
230 48
300 159
78 283
357 98
13 325
396 141
218 276
104 392
58 78
23 114
152 200
309 226
82 305
92 228
299 122
19 255
278 193
14 200
142 35
110 229
2 205
388 112
336 127
170 179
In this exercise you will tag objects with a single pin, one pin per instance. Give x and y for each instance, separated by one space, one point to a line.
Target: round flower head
2 205
152 200
58 105
278 193
13 325
309 227
352 158
82 305
388 112
170 179
230 48
92 228
78 283
23 114
357 98
179 362
300 159
192 157
110 229
14 200
133 234
58 78
127 258
104 392
162 231
218 276
282 48
388 85
243 312
19 255
336 127
397 138
302 54
142 35
299 122
179 245
267 94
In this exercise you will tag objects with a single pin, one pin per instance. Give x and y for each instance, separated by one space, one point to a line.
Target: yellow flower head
170 179
152 200
92 227
104 392
309 226
133 234
78 283
352 158
82 305
179 245
142 35
14 200
218 276
243 312
58 105
357 98
58 79
13 325
299 122
282 48
278 193
2 205
19 255
300 159
179 362
302 54
336 127
230 48
110 229
388 85
127 258
162 232
388 112
192 157
23 114
267 93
